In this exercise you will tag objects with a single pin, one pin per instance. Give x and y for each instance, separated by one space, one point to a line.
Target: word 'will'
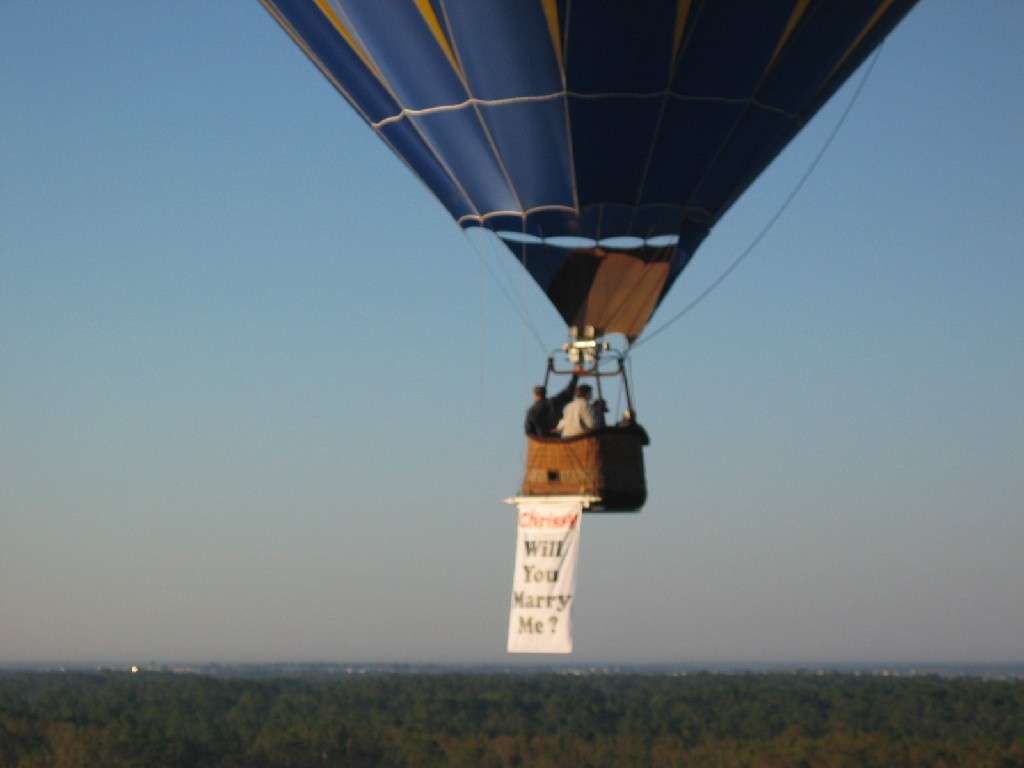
544 548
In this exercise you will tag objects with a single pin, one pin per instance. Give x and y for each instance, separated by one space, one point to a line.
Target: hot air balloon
599 139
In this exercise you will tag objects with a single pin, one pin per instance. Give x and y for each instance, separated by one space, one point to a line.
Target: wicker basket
608 463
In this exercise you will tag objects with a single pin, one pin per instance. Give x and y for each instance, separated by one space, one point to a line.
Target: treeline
155 720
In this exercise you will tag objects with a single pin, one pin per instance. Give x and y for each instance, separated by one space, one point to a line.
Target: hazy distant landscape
988 671
404 715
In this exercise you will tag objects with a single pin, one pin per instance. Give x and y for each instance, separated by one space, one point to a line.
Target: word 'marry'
557 602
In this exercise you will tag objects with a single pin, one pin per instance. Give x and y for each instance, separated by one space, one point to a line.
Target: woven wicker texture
608 464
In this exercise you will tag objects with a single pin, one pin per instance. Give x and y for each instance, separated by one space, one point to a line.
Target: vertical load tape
544 579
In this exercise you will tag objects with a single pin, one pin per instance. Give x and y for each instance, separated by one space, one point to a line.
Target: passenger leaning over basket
578 416
545 411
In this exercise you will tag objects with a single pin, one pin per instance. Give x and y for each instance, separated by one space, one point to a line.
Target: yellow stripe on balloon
794 19
348 37
551 16
863 33
682 14
430 18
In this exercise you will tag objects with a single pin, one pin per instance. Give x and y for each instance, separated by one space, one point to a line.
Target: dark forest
472 719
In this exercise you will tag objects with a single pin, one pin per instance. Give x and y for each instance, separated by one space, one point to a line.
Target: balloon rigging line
629 364
497 248
523 340
501 253
618 402
483 334
778 214
519 310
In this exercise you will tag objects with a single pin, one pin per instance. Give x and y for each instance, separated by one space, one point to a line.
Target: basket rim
632 429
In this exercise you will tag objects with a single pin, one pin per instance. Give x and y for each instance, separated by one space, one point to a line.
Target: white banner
544 579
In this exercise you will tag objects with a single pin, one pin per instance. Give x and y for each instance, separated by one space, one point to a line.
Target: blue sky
259 400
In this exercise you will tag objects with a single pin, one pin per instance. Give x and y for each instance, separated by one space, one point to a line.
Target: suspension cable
501 253
771 222
483 333
519 310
